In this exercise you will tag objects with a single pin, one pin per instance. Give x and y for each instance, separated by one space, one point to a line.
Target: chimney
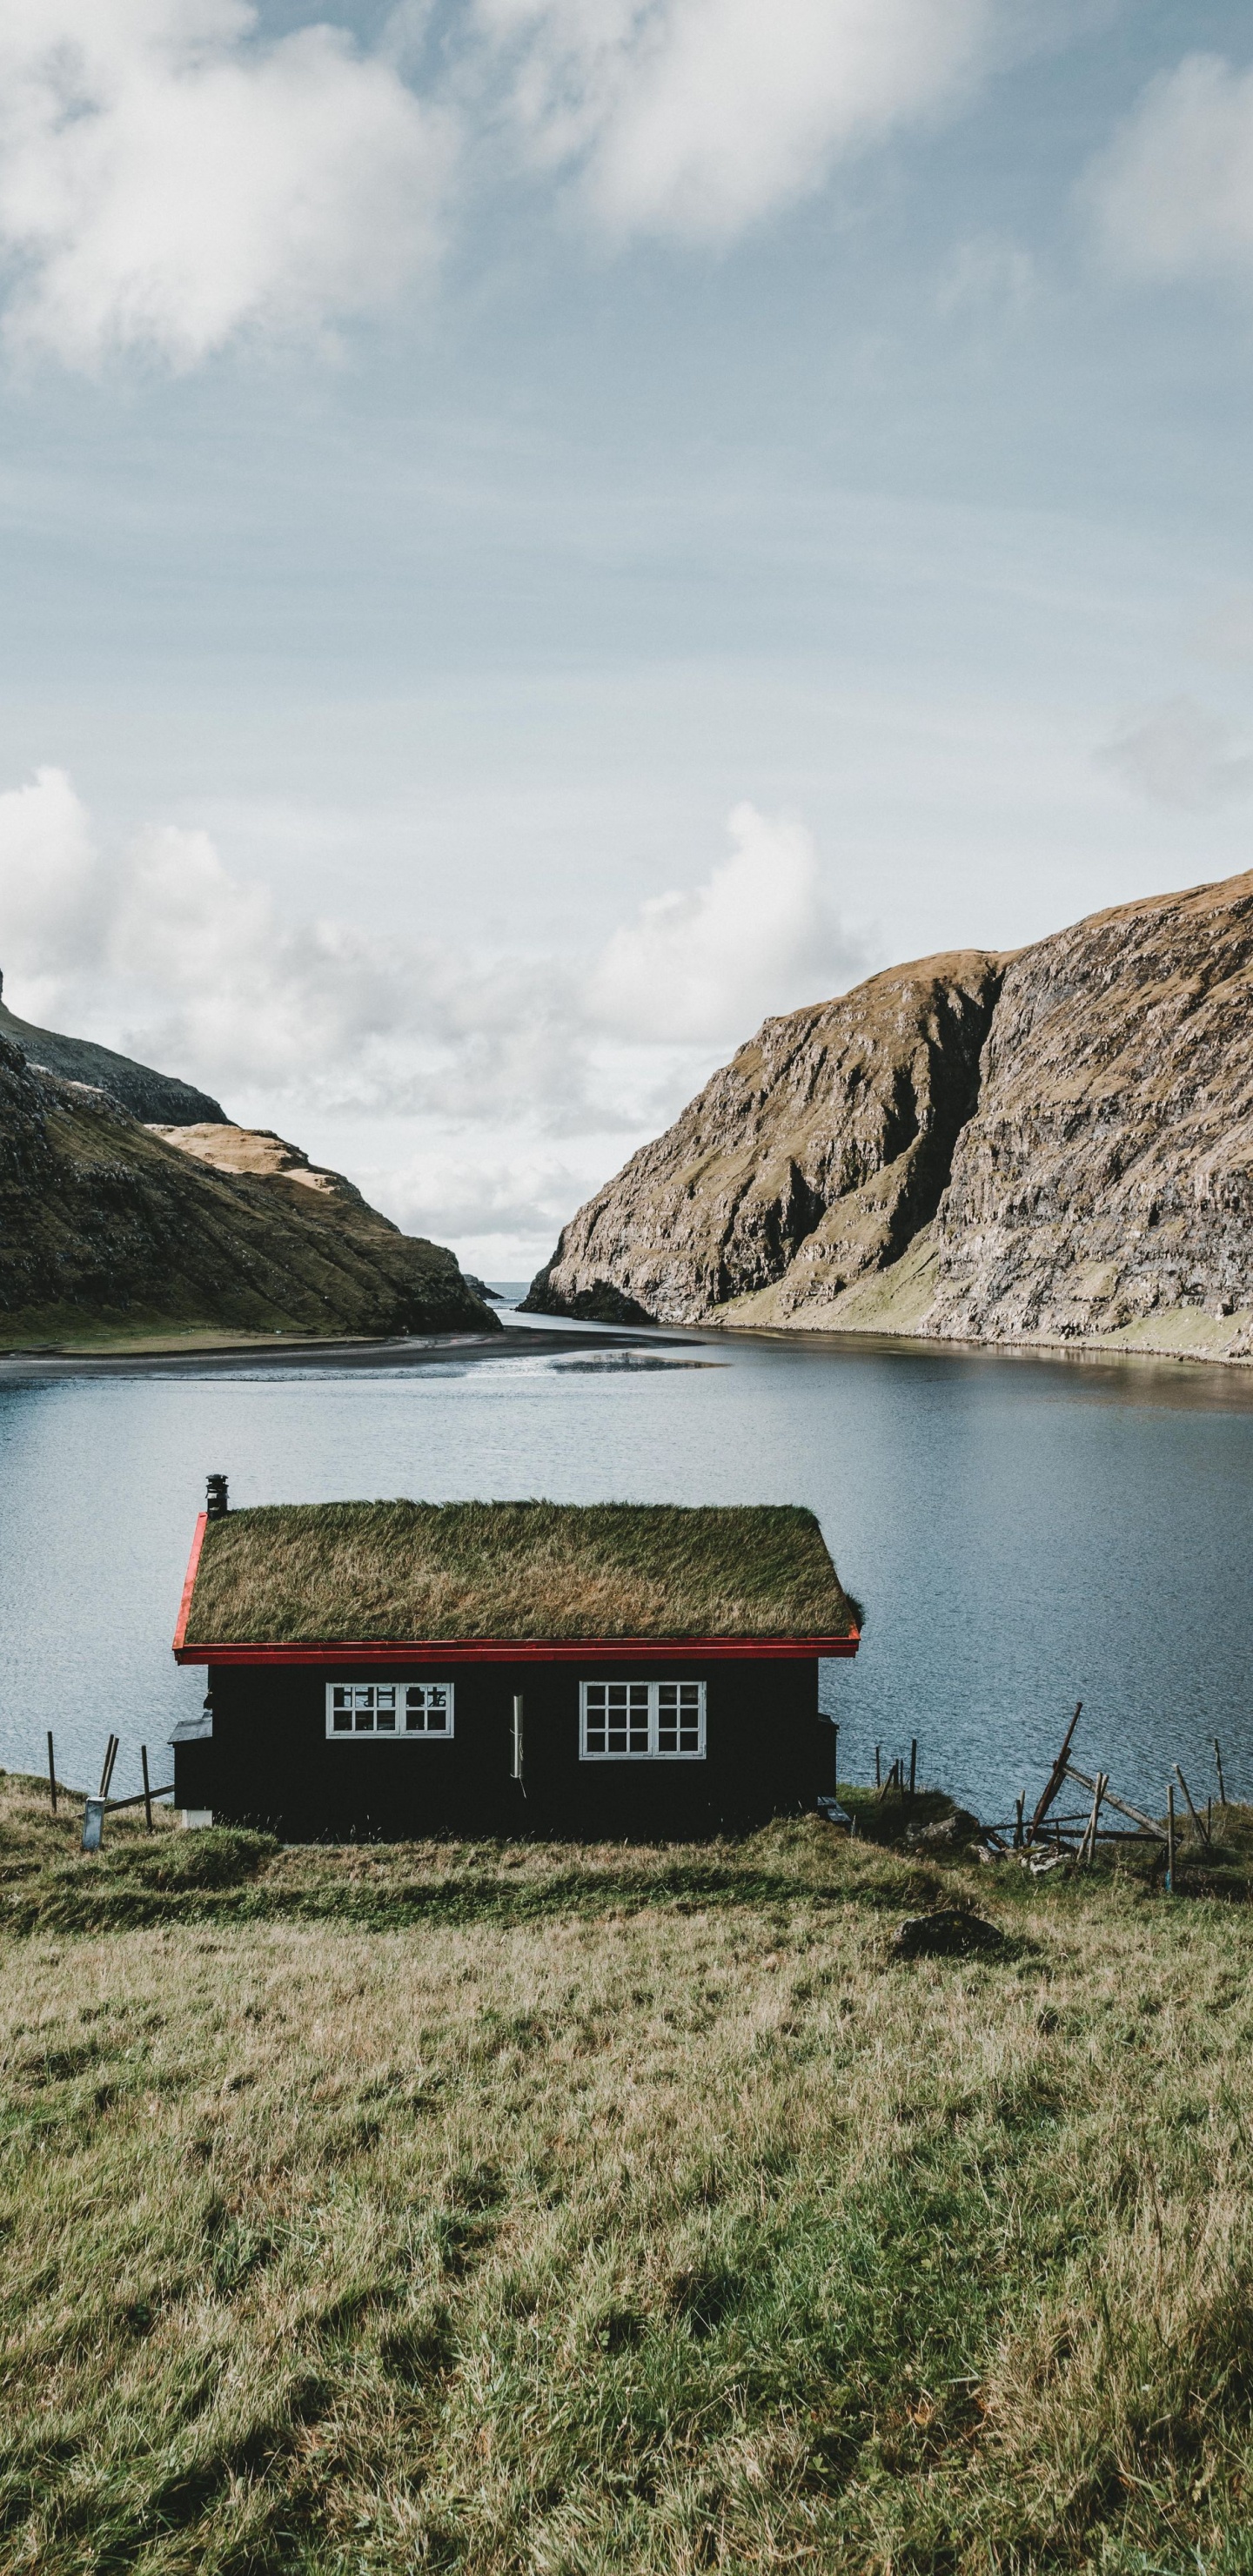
215 1502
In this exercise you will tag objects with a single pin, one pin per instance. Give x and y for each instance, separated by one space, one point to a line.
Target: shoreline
220 1358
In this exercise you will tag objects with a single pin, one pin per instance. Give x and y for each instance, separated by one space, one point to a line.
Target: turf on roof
292 1574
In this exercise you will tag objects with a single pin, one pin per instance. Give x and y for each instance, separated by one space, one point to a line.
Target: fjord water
1022 1530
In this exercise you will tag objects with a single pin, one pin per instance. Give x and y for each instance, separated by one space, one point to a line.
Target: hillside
816 1154
1054 1146
108 1227
136 1088
495 2207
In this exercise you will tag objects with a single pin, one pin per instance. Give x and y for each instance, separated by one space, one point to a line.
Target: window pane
642 1721
374 1708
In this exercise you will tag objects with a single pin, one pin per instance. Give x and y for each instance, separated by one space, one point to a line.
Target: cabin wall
269 1762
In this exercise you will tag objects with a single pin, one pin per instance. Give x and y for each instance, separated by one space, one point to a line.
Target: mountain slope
1077 1163
814 1156
135 1087
104 1223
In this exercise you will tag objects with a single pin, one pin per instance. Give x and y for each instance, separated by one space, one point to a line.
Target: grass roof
297 1573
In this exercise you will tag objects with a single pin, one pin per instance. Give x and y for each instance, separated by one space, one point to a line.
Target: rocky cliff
1055 1146
815 1155
107 1226
1105 1184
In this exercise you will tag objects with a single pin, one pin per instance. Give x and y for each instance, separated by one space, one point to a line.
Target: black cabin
391 1671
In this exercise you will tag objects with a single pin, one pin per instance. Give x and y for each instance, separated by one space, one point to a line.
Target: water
1023 1531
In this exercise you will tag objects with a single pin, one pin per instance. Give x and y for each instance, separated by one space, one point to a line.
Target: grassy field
521 2208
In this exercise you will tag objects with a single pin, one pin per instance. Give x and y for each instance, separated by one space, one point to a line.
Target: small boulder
949 1933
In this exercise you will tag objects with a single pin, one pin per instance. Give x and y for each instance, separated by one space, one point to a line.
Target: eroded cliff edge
1055 1146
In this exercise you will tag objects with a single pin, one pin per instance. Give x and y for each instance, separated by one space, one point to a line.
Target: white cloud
697 117
756 937
1178 754
1173 195
168 181
481 1195
160 950
53 890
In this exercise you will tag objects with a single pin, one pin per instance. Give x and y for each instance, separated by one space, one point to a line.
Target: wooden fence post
52 1773
1055 1778
1170 1838
913 1764
1102 1784
1222 1786
1201 1835
143 1756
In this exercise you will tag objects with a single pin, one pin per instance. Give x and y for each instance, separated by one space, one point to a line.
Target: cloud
1172 197
1177 754
159 949
707 964
172 179
698 117
168 181
53 890
444 1193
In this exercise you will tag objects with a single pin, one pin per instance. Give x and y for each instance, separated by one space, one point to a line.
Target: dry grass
649 2229
410 1570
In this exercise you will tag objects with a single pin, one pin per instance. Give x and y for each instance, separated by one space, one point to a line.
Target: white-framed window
641 1721
388 1711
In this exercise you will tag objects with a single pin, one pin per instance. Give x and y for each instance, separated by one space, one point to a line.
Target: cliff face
1105 1184
1052 1147
107 1225
814 1156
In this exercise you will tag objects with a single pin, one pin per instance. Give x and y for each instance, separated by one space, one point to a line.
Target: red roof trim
504 1650
189 1585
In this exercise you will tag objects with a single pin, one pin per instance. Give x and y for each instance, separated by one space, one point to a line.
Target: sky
537 532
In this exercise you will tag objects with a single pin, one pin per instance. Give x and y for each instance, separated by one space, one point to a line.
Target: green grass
534 1569
514 2208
